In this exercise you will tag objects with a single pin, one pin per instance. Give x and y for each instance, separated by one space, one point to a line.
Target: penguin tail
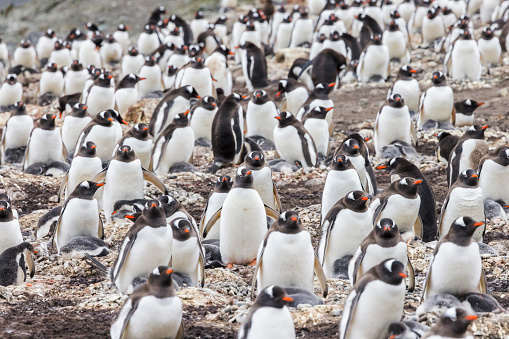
100 267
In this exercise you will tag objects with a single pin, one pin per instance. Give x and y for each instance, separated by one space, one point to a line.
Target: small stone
336 312
5 293
314 182
303 306
504 92
54 198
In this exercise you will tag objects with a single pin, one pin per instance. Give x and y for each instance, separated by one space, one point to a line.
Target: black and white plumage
16 134
13 262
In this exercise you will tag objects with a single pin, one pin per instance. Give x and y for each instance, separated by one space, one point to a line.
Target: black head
79 110
442 135
467 106
356 200
503 155
194 51
20 108
132 51
117 116
273 296
49 33
319 112
463 228
5 210
181 119
438 78
393 26
391 271
469 177
125 153
376 39
287 19
122 28
285 119
397 329
109 38
149 29
209 103
129 81
476 131
52 67
76 66
237 97
456 320
341 163
221 20
12 79
88 149
396 164
224 50
223 184
198 15
289 222
466 35
395 14
154 211
91 26
255 159
104 118
181 229
162 277
407 71
104 79
281 87
47 121
189 92
86 189
243 178
171 70
150 60
351 147
396 101
487 33
140 131
324 88
321 38
432 13
25 43
334 35
408 186
169 203
260 97
386 228
446 11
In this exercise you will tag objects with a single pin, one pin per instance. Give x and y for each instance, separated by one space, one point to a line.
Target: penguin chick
452 324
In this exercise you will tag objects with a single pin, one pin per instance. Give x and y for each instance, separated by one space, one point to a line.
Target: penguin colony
103 162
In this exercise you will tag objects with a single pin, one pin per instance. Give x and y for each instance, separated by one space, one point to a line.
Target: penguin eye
471 129
388 264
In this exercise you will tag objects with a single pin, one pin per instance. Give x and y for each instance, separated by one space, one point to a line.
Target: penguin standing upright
45 143
73 125
293 142
446 143
263 184
111 50
317 46
335 43
286 257
374 61
302 34
214 203
13 262
45 46
379 295
493 172
16 134
456 266
467 153
148 41
154 310
169 77
174 145
122 37
101 95
52 81
392 123
218 66
260 114
75 78
316 124
296 94
89 51
464 59
433 27
126 94
11 231
490 49
323 67
151 73
11 91
251 35
464 199
452 323
437 103
465 112
397 44
227 132
61 55
269 316
254 66
339 239
319 97
199 24
198 75
283 35
25 55
140 142
179 58
132 62
408 87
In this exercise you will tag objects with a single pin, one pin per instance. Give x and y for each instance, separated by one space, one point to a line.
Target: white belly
125 98
200 79
215 203
375 255
45 146
201 123
302 32
152 82
11 234
395 41
432 30
51 82
10 94
490 50
393 124
18 131
264 186
142 149
319 131
75 81
337 185
24 57
178 149
260 119
295 99
466 60
147 43
437 105
283 36
132 64
80 218
464 202
61 57
100 99
271 323
403 211
82 169
409 90
375 63
71 129
105 138
289 146
88 55
493 180
186 255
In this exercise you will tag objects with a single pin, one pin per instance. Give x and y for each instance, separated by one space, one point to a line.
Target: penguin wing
348 312
372 178
448 61
357 265
442 212
202 219
201 261
2 142
27 151
150 177
100 229
411 275
211 223
328 225
421 102
259 259
360 65
237 130
379 209
63 184
180 333
454 164
277 202
99 177
428 277
122 255
483 283
321 276
413 133
307 142
453 115
57 225
418 226
134 307
271 212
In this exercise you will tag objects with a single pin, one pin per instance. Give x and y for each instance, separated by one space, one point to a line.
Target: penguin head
432 13
487 33
132 51
117 116
343 5
91 26
376 39
356 200
224 50
334 35
25 43
221 20
150 60
223 184
323 89
20 108
88 149
209 103
198 15
182 229
153 210
140 131
331 19
456 319
503 155
469 177
76 66
149 29
47 121
171 70
463 228
75 34
372 3
189 92
396 101
393 26
255 159
386 228
285 119
438 78
467 106
273 296
104 80
397 330
162 277
122 28
5 210
281 8
395 164
395 14
125 154
79 110
170 204
197 62
319 112
181 119
465 35
408 186
52 67
12 79
391 271
104 118
442 135
129 81
244 178
49 33
86 189
287 19
289 222
476 131
303 11
351 147
321 38
407 71
281 88
341 162
59 44
250 27
446 10
94 72
109 39
194 51
260 97
238 98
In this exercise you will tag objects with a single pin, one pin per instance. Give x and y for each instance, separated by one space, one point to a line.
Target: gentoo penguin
73 124
260 114
251 35
465 198
102 130
286 257
464 59
218 66
490 49
13 262
467 153
317 46
176 101
238 29
445 145
344 227
452 324
101 95
201 117
199 24
183 27
214 203
140 142
397 44
89 51
319 97
302 33
169 77
84 166
11 91
151 73
316 124
400 202
269 316
60 55
228 132
383 242
400 168
221 28
45 46
335 43
393 123
263 184
408 87
407 330
79 216
493 173
179 58
293 142
45 143
323 66
433 27
148 41
209 40
126 94
196 74
437 103
374 61
154 310
124 167
296 94
156 15
378 295
465 112
52 80
94 73
283 35
9 223
243 221
75 78
174 145
111 50
25 55
16 134
254 66
132 62
456 266
122 37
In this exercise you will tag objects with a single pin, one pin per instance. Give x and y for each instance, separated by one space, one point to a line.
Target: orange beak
153 204
474 175
110 77
293 218
100 184
169 271
54 117
142 78
186 112
404 275
187 231
129 216
329 109
93 146
247 173
364 198
278 94
332 84
111 119
477 224
231 53
484 127
287 298
412 71
381 167
417 181
85 107
480 103
278 118
471 317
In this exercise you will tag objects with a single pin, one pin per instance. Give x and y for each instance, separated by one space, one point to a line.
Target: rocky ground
67 298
